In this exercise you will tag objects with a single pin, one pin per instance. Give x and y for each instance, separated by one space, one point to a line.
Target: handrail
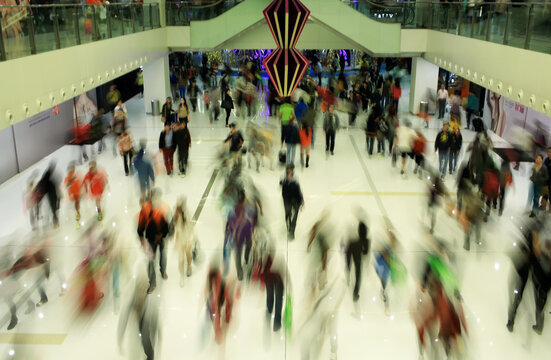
191 5
176 16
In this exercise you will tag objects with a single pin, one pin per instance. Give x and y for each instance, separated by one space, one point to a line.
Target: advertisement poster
504 116
85 107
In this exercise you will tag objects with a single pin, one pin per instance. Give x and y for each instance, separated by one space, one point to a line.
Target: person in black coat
442 146
292 199
182 140
167 112
357 247
372 124
227 104
48 185
455 149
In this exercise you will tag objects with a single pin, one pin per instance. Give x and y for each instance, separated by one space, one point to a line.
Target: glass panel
67 26
116 21
126 12
86 23
15 26
43 29
155 15
540 29
517 25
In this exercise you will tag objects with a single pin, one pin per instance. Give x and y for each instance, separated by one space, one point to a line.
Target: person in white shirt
404 141
442 99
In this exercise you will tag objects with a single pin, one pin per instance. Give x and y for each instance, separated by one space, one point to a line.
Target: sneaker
78 217
150 289
188 273
41 302
538 329
12 323
100 217
332 153
165 276
402 172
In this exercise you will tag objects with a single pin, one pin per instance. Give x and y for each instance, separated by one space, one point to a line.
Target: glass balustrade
525 25
34 29
181 13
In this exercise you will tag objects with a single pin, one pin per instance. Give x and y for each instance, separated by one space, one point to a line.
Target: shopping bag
398 271
288 315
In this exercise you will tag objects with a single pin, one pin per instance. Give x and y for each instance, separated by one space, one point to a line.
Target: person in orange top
95 182
73 185
305 134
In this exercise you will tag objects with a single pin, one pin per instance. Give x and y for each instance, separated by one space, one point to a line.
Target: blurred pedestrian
167 145
292 200
331 125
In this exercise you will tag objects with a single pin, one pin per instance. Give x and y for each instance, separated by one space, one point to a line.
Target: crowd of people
339 101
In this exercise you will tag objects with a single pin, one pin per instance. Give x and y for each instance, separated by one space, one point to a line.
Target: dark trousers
517 290
147 329
228 113
291 214
183 154
193 102
330 140
357 258
54 205
441 108
370 140
470 113
274 291
242 244
542 284
127 161
162 260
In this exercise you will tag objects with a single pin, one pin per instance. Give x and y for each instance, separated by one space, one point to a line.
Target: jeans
330 140
370 140
453 157
291 214
182 158
291 150
247 244
443 157
162 260
381 145
441 108
182 91
535 196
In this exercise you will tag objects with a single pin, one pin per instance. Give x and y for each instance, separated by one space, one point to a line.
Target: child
73 184
305 134
95 182
206 99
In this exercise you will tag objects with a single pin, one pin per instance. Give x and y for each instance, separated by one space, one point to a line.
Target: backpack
490 186
383 126
419 144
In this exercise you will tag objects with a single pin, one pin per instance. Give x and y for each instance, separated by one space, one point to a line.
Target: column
424 84
156 83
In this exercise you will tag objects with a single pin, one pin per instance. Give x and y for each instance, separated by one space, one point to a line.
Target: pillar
424 84
156 82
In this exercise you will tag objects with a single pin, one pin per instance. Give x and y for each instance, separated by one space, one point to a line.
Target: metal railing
525 25
33 29
181 13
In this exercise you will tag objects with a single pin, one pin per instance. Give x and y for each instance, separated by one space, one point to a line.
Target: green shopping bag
398 271
288 315
444 273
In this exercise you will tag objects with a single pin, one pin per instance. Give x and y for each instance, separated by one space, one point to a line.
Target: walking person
167 146
442 99
292 140
126 150
305 134
73 185
152 230
371 126
541 271
330 125
184 237
146 175
538 180
182 141
356 249
405 137
227 104
193 94
442 147
292 200
167 112
95 182
392 122
286 114
472 108
455 149
48 185
396 93
183 111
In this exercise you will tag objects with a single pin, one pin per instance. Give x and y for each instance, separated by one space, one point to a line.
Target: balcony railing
181 13
525 25
34 29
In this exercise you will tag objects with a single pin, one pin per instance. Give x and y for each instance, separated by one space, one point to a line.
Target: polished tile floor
339 183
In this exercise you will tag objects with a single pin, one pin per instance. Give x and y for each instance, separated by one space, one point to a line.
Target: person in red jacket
73 185
305 134
95 182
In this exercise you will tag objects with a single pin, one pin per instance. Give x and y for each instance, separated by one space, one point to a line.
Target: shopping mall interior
258 179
